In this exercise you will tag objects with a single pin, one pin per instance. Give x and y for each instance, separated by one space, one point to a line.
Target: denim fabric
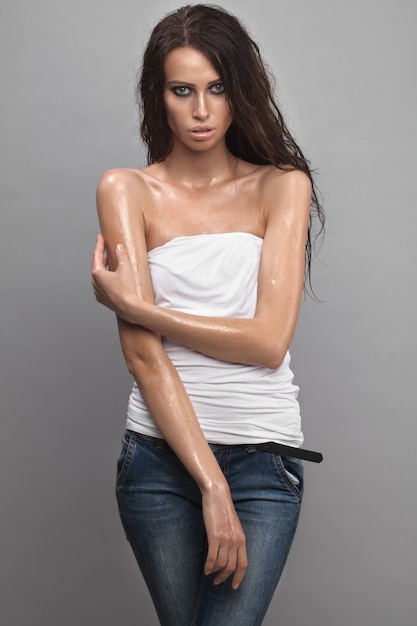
160 508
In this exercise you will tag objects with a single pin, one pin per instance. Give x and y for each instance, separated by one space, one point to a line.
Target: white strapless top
217 275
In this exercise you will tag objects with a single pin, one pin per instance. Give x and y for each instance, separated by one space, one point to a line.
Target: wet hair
258 133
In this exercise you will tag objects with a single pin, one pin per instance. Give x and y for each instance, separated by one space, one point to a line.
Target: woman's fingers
227 559
115 289
99 271
230 560
99 255
241 567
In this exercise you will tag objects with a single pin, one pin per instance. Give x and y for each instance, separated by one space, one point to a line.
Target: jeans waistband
268 446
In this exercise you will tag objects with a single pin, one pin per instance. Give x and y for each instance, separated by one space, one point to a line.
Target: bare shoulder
271 179
122 195
119 180
286 190
285 180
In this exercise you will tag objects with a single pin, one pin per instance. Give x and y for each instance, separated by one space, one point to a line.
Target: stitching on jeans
203 582
227 461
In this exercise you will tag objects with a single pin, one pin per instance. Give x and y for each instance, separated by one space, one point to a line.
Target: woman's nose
200 107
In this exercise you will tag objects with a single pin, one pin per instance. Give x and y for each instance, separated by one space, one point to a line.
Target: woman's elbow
272 355
270 343
274 361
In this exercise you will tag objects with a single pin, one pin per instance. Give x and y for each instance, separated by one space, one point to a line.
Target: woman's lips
200 133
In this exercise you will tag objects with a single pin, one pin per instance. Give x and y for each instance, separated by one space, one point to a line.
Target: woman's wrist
214 486
130 308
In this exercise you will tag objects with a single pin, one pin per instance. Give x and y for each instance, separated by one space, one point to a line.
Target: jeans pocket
292 478
292 470
125 457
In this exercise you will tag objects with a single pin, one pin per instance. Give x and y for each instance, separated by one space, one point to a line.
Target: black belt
298 453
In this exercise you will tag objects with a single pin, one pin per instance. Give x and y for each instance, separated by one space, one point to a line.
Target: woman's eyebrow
185 84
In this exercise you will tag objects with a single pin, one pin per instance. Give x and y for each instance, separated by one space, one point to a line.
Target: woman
206 249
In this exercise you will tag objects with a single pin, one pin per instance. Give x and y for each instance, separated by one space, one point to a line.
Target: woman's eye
218 88
181 91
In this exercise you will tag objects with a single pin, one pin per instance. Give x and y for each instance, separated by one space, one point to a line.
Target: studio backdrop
345 77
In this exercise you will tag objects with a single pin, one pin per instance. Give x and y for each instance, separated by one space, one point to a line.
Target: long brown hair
258 133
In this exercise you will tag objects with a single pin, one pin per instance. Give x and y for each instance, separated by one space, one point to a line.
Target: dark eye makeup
183 90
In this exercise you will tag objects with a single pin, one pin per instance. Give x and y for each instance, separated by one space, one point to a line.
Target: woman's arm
262 340
119 198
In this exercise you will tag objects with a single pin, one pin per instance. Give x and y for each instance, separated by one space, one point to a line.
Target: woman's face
197 110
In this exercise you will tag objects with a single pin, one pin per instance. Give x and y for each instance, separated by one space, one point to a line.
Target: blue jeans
160 508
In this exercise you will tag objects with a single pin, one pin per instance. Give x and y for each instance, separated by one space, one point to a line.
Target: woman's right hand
226 539
115 289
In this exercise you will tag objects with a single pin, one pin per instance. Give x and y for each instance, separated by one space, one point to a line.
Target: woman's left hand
117 289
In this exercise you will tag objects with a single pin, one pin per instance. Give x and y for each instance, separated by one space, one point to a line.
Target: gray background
345 77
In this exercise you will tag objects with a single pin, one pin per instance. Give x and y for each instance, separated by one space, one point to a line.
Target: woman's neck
200 169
